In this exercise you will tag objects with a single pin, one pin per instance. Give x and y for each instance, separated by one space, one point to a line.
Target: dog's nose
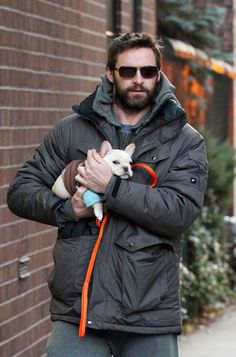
125 168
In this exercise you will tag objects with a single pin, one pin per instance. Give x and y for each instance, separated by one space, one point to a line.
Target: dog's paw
98 211
99 217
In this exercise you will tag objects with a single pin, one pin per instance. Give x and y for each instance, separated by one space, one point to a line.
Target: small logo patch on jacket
193 180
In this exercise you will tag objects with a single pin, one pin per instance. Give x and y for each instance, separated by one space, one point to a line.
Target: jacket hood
100 102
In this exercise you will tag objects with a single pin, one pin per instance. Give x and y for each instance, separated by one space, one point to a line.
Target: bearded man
133 296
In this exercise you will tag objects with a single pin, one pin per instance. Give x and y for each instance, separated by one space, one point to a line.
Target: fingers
93 155
95 174
81 190
81 175
81 211
91 165
93 160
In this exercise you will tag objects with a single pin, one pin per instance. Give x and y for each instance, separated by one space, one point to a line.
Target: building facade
52 54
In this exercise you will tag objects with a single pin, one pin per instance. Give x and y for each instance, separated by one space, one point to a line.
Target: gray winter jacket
135 283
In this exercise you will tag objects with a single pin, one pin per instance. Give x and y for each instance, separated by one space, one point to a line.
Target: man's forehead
136 57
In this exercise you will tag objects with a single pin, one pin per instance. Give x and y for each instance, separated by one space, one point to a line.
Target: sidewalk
216 340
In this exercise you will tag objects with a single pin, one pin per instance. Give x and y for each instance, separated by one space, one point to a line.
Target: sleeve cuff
112 190
66 213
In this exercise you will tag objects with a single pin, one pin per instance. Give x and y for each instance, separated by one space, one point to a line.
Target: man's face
136 93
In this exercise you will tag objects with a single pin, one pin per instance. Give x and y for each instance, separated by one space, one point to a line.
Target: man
133 307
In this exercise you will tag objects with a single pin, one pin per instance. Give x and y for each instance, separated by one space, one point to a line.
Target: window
113 18
137 27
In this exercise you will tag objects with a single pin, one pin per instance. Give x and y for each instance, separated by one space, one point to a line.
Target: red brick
17 288
25 339
7 174
22 117
24 302
20 323
5 215
48 50
19 228
18 136
28 244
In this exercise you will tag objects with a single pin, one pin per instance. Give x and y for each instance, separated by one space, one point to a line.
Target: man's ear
109 74
105 148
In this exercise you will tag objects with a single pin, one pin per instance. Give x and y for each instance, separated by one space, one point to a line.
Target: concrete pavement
216 340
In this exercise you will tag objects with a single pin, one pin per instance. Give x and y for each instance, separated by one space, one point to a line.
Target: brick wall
52 54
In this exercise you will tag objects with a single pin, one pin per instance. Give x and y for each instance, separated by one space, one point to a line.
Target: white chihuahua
120 164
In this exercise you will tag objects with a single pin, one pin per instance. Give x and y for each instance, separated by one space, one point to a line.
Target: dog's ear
105 148
130 149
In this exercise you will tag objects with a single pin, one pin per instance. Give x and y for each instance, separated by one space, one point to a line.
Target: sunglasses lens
127 72
148 72
130 72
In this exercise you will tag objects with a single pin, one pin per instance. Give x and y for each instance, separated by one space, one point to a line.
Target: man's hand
81 211
96 174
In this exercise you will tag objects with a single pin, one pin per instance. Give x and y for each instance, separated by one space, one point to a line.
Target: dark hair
133 40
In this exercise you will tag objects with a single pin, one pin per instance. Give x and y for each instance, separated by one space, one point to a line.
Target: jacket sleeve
171 208
30 196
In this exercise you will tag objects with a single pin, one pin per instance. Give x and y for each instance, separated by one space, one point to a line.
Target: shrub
205 272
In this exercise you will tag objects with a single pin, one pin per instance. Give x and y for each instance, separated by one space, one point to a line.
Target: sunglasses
129 72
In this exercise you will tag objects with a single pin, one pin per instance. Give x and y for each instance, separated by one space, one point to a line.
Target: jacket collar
166 115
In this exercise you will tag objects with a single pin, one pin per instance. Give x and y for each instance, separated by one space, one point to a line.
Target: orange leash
84 297
150 171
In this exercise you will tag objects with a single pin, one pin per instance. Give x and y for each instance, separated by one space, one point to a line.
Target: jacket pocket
144 274
71 258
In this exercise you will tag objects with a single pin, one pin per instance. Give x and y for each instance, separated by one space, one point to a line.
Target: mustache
138 87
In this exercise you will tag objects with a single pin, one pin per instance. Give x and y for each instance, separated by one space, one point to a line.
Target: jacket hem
161 330
71 319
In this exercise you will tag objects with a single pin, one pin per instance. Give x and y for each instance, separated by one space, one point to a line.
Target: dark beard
133 103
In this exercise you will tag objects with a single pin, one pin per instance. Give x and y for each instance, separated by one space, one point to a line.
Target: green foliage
206 272
184 21
221 158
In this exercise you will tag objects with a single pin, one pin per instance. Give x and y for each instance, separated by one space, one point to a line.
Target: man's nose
138 77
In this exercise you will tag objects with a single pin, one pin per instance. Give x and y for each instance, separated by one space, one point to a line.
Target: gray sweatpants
65 342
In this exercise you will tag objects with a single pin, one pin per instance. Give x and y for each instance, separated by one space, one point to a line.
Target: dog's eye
116 162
